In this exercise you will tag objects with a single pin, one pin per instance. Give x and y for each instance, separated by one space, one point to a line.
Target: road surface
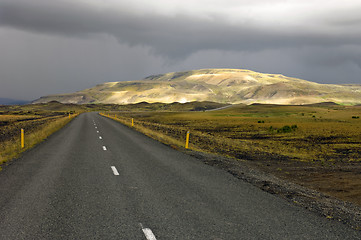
97 179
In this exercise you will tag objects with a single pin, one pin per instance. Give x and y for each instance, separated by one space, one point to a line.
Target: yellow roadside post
187 140
132 122
69 115
22 139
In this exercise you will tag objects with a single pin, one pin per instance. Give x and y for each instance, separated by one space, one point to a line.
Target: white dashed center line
104 148
96 127
97 131
115 171
148 233
100 137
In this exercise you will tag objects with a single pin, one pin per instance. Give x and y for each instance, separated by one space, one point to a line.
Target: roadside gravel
322 204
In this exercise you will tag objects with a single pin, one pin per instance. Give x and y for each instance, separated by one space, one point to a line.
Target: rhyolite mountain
216 85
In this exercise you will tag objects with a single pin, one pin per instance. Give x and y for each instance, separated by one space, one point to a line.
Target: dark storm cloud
174 36
336 56
59 46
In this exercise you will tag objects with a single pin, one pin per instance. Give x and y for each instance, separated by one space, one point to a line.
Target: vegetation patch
287 129
238 131
38 124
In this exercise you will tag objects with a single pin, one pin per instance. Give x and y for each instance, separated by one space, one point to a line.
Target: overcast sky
60 46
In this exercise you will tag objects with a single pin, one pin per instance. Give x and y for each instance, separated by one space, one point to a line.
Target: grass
12 149
38 121
147 131
301 133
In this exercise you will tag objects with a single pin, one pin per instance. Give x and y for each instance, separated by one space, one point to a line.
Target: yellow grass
11 149
146 131
16 117
322 134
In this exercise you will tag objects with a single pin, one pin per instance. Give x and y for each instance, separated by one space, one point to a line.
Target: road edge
18 155
319 203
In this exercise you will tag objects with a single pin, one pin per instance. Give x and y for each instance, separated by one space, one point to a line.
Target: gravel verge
317 202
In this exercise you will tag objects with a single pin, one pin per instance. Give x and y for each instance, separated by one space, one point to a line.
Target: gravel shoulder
315 201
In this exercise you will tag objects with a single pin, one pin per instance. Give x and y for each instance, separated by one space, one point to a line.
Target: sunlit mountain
216 85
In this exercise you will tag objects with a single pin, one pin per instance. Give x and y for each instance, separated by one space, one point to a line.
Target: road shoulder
314 201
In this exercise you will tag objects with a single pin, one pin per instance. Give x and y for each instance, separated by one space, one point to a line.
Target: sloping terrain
216 85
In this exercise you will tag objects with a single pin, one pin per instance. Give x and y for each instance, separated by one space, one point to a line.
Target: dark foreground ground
267 176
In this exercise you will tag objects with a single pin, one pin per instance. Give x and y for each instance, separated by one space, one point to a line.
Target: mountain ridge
218 85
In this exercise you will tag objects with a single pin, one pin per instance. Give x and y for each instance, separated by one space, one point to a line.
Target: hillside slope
216 85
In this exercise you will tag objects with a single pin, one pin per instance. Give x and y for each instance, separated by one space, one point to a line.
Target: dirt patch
341 180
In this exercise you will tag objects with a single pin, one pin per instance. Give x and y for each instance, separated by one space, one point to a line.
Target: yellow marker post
69 115
132 122
22 139
187 140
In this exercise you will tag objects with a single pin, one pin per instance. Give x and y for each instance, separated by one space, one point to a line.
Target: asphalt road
67 188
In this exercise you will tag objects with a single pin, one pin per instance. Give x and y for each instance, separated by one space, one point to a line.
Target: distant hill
216 85
57 107
8 101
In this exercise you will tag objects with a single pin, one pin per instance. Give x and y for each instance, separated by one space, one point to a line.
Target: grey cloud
33 65
50 47
332 56
174 37
53 17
